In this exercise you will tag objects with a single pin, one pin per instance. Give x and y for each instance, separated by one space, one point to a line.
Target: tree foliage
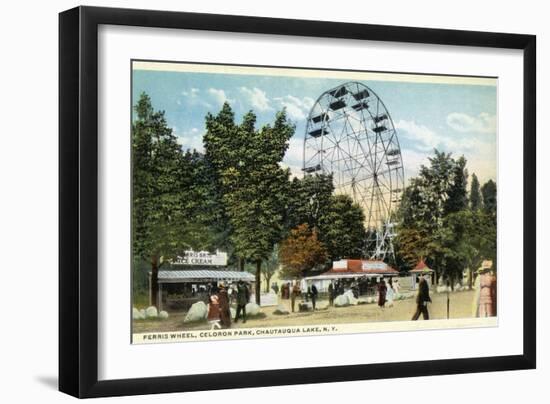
165 198
310 200
301 251
489 193
254 186
475 193
437 224
342 228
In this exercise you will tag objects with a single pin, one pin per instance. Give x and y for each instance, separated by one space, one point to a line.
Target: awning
342 275
203 275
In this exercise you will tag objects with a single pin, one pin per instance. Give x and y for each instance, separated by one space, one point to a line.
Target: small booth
421 269
354 273
179 289
189 279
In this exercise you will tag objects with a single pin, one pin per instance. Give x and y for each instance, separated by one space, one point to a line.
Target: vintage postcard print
281 202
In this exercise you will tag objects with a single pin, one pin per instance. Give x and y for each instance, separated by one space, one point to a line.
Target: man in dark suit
313 294
243 296
422 300
331 294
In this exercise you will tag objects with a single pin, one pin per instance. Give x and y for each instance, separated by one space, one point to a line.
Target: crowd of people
219 304
386 289
222 296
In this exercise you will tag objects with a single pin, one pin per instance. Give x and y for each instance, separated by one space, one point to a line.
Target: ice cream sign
191 257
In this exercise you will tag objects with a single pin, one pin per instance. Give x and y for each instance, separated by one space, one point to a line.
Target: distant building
421 268
350 269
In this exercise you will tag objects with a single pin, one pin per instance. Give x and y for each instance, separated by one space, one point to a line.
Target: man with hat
223 301
243 296
422 299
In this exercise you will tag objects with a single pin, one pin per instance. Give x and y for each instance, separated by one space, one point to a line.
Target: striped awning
203 275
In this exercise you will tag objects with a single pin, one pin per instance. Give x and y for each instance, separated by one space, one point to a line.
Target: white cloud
294 155
427 139
412 160
191 139
193 97
483 123
257 98
219 96
424 137
297 108
480 153
193 93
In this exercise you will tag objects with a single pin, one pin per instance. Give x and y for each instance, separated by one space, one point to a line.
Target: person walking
294 294
314 294
214 312
422 299
243 296
487 293
396 287
330 294
390 293
225 311
382 289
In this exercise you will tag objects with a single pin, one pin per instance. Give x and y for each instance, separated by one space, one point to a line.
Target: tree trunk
258 281
470 278
154 280
241 264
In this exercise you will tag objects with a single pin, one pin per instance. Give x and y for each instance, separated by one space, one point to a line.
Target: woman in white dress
389 293
396 288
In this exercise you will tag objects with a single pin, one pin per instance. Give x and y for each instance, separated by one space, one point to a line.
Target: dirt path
460 307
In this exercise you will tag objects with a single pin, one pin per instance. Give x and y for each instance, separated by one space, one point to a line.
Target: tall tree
158 216
254 185
457 194
489 193
475 193
270 267
342 229
309 200
437 192
301 251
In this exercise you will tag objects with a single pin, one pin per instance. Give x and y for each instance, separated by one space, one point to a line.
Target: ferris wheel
350 134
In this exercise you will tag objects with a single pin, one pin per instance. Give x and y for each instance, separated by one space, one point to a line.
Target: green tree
436 193
270 266
457 194
310 199
475 193
159 219
489 193
254 186
301 251
342 229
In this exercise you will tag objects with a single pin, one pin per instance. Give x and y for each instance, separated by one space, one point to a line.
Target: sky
450 116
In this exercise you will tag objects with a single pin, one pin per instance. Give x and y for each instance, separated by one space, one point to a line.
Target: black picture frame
78 200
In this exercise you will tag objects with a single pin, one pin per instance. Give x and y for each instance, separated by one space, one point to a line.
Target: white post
159 298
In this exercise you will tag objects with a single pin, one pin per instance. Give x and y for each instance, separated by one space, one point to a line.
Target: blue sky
457 118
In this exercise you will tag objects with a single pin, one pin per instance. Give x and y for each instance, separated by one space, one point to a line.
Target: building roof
203 275
421 267
355 268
